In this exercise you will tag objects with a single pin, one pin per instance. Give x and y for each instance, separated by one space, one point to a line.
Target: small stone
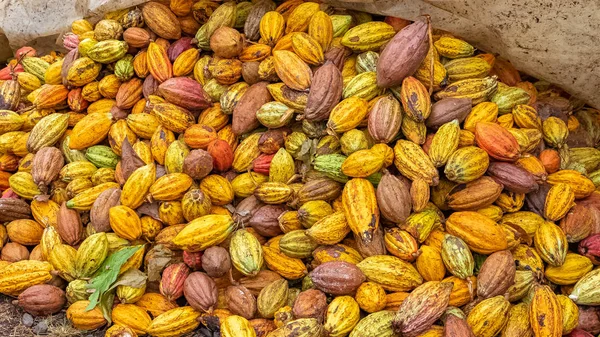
40 328
27 320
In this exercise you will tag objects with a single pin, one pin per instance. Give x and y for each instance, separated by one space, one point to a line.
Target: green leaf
108 273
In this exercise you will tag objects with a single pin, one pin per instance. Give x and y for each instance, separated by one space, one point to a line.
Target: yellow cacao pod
218 189
517 323
125 222
559 200
299 18
272 26
246 253
82 319
131 316
453 48
430 264
413 162
170 187
368 36
174 322
307 48
481 234
551 243
545 313
204 232
444 143
488 317
90 255
386 271
360 208
292 70
18 276
570 313
62 257
137 186
236 326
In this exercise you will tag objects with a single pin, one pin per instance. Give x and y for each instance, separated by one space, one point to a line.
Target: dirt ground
11 323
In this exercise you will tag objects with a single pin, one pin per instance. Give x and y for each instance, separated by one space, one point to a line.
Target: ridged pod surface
360 207
204 232
292 70
545 313
489 316
413 162
481 234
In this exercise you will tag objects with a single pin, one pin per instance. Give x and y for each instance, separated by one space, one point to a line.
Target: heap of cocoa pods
291 169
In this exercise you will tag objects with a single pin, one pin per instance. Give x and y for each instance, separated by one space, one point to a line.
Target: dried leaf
129 159
160 257
134 278
149 209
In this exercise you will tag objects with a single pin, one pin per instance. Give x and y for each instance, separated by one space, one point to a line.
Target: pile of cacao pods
293 169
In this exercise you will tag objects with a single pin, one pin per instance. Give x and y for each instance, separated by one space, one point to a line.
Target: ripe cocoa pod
385 270
99 215
14 252
577 224
448 109
83 319
264 220
173 280
216 261
69 225
200 291
457 326
468 225
545 304
311 303
476 195
184 92
325 92
272 297
241 301
385 119
371 297
496 141
360 207
46 167
42 300
177 321
496 275
393 198
413 162
402 55
198 164
479 317
244 114
161 20
512 177
226 42
294 72
551 243
422 308
337 278
14 209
